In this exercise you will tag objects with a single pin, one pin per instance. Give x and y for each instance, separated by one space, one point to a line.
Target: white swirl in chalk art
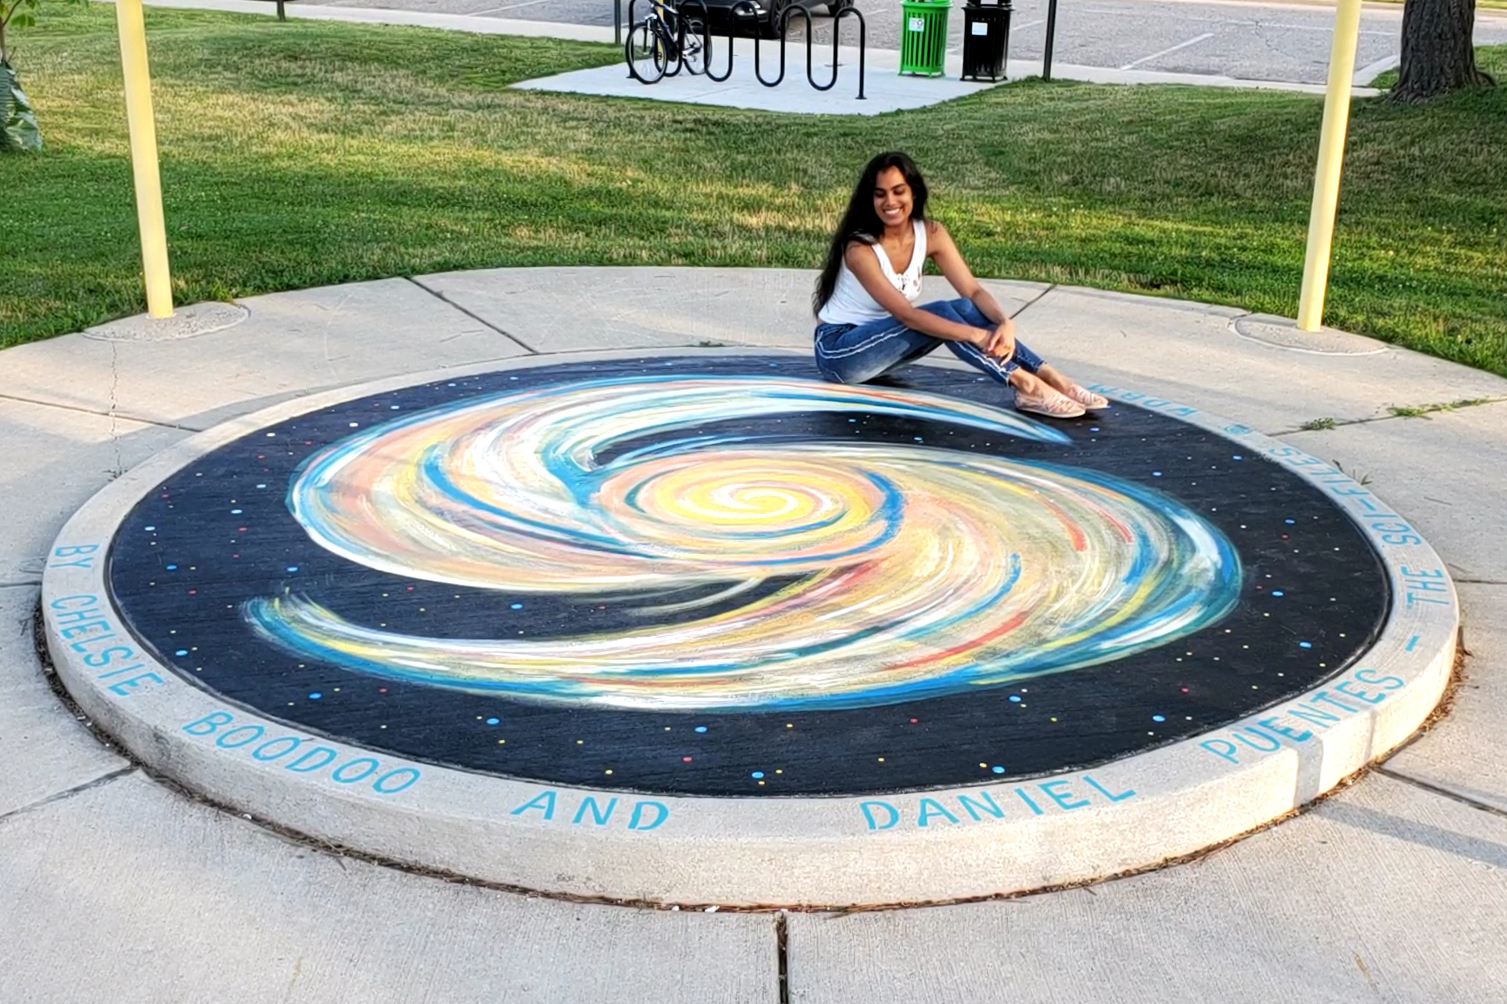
911 571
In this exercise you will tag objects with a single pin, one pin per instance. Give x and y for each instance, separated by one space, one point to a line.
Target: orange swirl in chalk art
912 571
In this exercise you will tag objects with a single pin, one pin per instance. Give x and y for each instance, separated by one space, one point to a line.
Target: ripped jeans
855 353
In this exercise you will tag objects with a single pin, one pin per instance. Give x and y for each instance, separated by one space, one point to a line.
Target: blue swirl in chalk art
906 570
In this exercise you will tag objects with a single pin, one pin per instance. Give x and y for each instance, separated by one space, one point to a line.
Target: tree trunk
1437 52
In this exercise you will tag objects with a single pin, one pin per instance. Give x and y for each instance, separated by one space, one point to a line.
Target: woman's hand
999 343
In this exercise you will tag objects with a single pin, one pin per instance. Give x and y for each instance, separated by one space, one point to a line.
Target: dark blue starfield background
218 533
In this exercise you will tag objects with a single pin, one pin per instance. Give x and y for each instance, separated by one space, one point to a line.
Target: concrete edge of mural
971 841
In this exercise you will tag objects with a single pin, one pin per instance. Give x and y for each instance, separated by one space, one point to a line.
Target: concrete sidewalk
116 887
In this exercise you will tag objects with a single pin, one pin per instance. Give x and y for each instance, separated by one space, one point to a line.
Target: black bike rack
863 31
706 35
746 8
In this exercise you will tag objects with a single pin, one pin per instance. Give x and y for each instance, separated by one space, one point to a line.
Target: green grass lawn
302 154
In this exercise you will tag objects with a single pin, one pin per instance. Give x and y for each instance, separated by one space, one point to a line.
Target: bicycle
665 39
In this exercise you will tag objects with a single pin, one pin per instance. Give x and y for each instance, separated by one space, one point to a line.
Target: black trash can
986 40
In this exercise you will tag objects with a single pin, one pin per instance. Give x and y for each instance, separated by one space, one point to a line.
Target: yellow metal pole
1326 179
133 61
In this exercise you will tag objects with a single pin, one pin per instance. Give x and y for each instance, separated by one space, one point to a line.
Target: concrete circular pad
697 628
1283 333
190 321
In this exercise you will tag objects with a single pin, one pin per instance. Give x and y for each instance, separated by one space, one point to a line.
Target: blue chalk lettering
209 723
1261 742
385 786
301 766
121 671
342 773
1127 793
85 646
125 686
260 753
931 807
1227 753
1373 677
635 822
256 733
1275 724
1323 695
1062 799
544 802
967 802
83 628
108 655
1027 799
1354 690
598 815
1313 716
77 552
868 813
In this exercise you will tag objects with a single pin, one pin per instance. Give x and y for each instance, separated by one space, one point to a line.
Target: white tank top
852 304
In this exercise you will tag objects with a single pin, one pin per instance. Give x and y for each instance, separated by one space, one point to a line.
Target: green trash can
923 37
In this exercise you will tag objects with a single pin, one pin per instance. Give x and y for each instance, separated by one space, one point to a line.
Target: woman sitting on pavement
866 299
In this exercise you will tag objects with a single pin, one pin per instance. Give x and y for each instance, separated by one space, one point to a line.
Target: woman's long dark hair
861 222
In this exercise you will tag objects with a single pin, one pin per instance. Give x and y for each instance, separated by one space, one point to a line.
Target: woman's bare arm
942 250
865 266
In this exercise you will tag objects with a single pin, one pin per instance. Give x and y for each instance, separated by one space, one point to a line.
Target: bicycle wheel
664 50
644 53
695 53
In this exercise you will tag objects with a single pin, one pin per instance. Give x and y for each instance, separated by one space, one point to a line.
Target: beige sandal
1086 397
1049 403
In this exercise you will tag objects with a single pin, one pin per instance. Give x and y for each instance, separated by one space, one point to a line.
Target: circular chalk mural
720 576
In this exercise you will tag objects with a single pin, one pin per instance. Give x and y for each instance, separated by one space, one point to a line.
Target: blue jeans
855 353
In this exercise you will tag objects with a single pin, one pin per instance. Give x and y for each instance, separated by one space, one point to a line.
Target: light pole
1326 179
143 129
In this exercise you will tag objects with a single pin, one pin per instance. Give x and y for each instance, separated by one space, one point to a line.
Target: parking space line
1242 22
1181 45
1383 9
511 6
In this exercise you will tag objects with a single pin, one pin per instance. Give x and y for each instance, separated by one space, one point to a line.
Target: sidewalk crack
782 954
1034 300
59 796
119 467
112 414
1422 411
474 316
1441 791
